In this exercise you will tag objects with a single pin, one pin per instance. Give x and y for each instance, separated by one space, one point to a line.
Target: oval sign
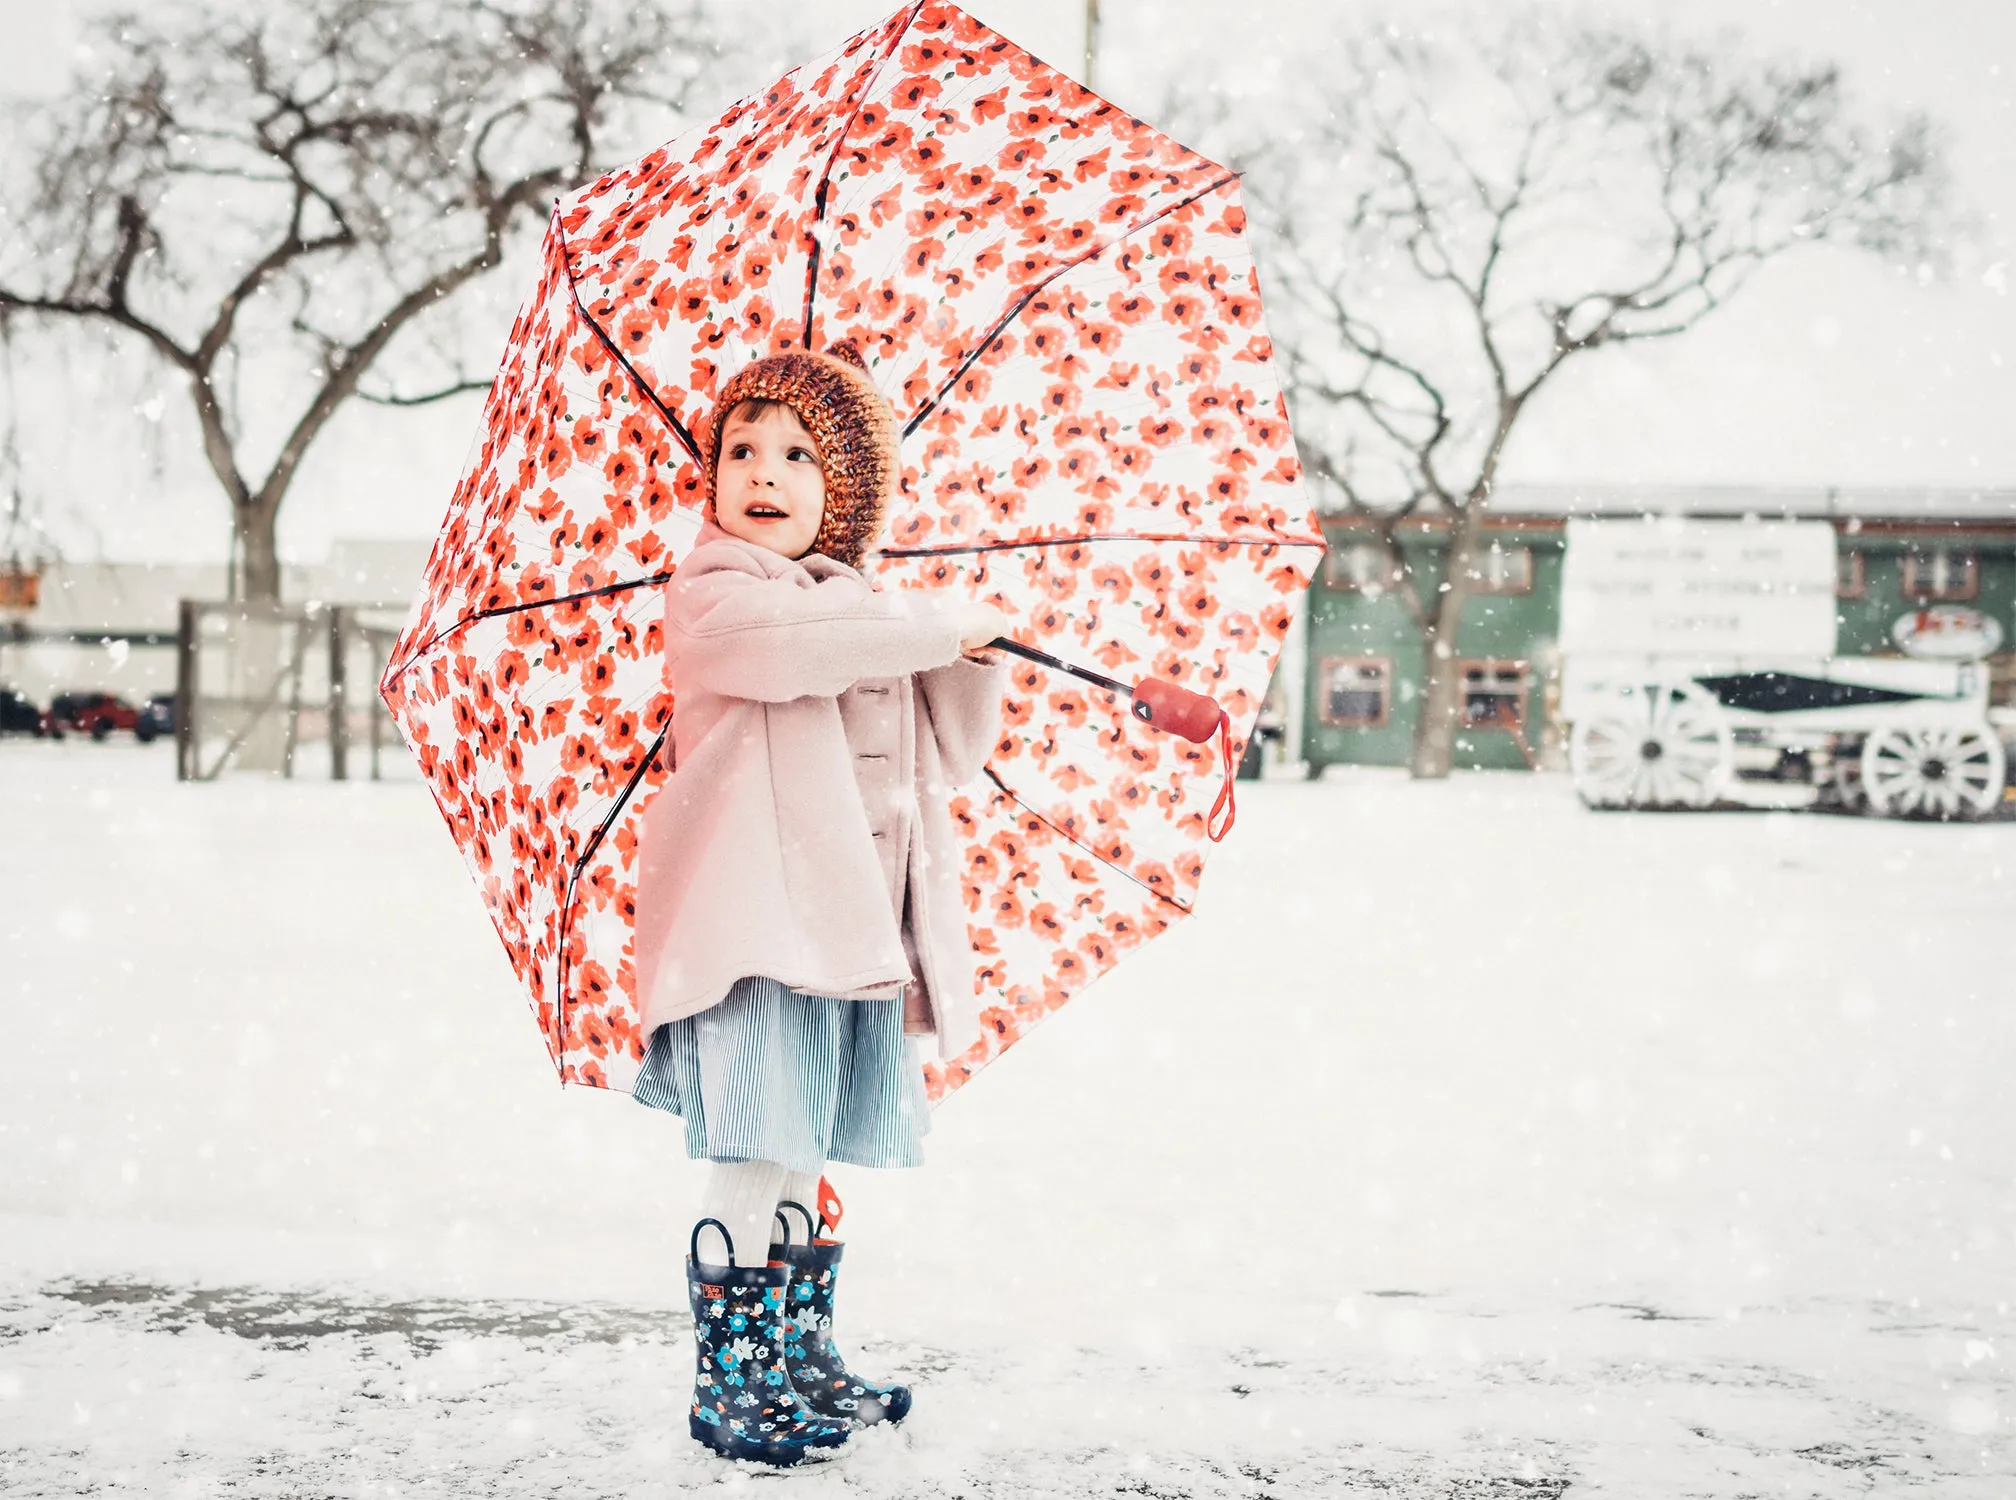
1947 632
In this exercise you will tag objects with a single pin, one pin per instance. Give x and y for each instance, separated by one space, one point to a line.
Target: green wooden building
1897 550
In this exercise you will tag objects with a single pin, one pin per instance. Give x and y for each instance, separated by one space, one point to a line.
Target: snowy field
1468 1144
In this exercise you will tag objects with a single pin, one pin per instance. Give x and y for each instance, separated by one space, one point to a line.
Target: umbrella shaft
1043 658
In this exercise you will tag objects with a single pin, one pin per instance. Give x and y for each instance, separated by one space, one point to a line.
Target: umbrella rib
1013 796
574 879
826 177
1001 326
671 420
481 615
654 579
601 593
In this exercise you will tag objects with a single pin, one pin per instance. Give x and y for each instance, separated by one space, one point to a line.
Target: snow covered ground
1467 1144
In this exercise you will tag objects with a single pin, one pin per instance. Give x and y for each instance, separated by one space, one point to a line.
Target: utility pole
1091 40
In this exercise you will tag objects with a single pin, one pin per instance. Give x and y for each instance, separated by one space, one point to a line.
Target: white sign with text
1665 587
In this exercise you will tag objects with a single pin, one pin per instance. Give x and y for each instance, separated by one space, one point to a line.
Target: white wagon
1900 738
1698 671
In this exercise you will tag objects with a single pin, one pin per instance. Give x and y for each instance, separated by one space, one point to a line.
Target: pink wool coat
820 728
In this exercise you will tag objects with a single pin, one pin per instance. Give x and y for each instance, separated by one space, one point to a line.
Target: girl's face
768 487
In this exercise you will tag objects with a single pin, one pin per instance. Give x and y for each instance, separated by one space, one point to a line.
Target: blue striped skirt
771 1074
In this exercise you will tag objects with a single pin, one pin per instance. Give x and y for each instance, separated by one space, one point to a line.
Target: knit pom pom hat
853 426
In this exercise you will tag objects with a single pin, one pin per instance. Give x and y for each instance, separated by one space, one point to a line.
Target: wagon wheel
1654 745
1935 771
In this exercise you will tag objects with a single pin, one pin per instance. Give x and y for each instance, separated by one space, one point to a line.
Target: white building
111 627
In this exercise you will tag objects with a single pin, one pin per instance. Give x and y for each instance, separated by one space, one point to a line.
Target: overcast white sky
1828 370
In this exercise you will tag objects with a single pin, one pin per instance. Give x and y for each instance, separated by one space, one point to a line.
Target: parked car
157 718
95 714
20 715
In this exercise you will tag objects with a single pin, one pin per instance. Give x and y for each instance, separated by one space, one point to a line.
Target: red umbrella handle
1195 718
1165 705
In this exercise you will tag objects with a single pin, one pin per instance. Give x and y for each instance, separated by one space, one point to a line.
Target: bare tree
1451 220
271 202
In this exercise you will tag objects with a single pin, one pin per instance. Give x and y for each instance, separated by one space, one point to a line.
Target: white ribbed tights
744 1196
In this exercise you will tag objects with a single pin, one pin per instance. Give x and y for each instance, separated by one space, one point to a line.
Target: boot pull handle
693 1243
811 1226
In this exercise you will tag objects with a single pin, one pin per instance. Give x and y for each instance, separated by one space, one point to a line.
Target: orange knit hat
853 426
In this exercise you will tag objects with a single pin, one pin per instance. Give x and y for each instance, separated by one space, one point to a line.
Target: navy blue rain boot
818 1373
744 1406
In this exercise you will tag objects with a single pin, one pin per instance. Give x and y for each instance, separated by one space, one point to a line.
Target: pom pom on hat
849 421
849 351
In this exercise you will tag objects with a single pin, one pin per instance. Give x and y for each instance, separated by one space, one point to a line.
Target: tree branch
349 366
388 398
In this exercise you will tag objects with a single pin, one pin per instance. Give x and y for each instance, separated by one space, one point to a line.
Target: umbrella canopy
1061 307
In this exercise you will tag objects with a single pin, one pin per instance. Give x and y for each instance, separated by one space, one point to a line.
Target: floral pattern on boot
818 1373
744 1404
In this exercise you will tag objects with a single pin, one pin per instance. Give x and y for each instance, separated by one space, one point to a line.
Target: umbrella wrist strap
1225 802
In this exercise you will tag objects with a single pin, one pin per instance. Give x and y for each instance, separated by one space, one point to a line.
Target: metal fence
291 688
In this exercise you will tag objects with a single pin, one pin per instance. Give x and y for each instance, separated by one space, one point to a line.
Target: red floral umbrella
1060 304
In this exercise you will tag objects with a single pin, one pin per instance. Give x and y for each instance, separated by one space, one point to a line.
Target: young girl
799 916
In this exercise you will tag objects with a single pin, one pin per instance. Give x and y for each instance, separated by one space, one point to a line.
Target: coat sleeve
963 701
744 635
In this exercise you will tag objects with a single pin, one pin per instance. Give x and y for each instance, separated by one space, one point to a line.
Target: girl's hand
979 624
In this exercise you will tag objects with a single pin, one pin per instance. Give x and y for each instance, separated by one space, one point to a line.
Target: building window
1940 573
1494 694
1357 691
1360 568
1851 575
1502 570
